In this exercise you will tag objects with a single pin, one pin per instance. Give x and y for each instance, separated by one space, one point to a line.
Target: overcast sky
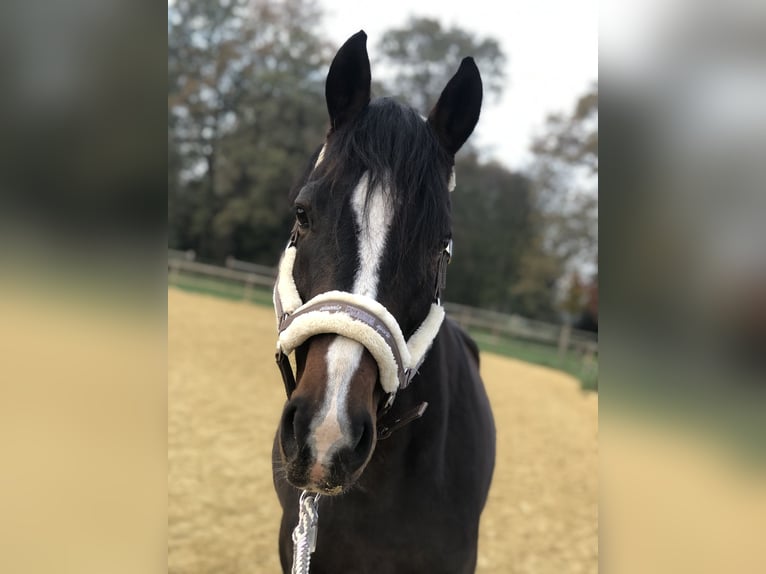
551 46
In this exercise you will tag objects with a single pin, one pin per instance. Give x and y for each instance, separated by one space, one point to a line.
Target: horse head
372 219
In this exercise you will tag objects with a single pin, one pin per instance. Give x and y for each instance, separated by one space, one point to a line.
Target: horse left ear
347 90
455 114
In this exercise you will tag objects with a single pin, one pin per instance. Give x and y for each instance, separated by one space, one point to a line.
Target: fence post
174 271
564 334
465 318
248 287
496 337
587 359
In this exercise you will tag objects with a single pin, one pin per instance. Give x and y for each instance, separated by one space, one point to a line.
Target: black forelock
397 148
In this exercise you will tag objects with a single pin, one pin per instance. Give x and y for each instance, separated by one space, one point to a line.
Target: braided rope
305 532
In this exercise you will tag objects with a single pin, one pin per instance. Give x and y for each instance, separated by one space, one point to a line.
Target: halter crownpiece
357 317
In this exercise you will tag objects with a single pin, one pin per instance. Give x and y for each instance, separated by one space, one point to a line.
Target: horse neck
433 385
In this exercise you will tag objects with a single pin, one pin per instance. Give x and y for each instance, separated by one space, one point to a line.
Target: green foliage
245 112
492 218
575 296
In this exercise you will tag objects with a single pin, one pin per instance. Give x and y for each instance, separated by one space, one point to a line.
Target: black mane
397 148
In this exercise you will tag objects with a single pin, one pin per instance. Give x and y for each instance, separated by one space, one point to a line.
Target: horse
387 423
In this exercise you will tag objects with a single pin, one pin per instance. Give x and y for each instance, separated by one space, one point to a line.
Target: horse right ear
455 114
347 90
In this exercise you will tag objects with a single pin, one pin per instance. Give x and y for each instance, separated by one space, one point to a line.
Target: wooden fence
497 325
249 275
518 327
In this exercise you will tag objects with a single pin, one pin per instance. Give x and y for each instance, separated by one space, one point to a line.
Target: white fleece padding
370 305
421 340
285 287
316 322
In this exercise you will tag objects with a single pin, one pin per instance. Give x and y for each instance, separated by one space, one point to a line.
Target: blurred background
683 252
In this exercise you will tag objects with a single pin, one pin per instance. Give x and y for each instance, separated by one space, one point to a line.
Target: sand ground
224 401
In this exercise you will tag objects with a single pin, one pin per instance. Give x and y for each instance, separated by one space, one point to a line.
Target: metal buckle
385 431
408 374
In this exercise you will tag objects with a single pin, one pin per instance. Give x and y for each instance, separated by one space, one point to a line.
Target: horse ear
455 114
347 90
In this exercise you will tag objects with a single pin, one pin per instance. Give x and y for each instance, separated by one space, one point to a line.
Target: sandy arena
224 401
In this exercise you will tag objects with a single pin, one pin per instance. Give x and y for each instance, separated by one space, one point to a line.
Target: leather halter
362 319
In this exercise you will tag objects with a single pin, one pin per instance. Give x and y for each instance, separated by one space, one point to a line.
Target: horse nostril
287 431
363 442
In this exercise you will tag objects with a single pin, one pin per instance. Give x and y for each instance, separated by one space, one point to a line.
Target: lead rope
305 533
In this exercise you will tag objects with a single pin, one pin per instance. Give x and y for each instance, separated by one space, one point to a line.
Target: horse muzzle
328 426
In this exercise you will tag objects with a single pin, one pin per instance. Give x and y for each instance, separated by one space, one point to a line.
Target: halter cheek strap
361 319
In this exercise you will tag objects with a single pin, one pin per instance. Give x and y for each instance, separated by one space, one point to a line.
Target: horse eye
301 217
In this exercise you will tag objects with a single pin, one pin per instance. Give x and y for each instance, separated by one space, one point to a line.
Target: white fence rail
254 268
249 279
498 325
517 327
175 254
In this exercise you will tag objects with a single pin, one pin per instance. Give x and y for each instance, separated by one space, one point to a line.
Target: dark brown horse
358 303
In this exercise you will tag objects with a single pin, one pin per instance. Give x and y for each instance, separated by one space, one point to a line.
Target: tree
538 274
573 140
575 296
425 56
491 213
565 173
245 111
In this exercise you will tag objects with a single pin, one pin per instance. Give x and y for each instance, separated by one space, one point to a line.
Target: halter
362 319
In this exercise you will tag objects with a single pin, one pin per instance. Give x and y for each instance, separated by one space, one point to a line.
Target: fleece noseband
356 317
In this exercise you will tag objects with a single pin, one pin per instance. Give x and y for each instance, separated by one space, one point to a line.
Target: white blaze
320 157
372 237
331 426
